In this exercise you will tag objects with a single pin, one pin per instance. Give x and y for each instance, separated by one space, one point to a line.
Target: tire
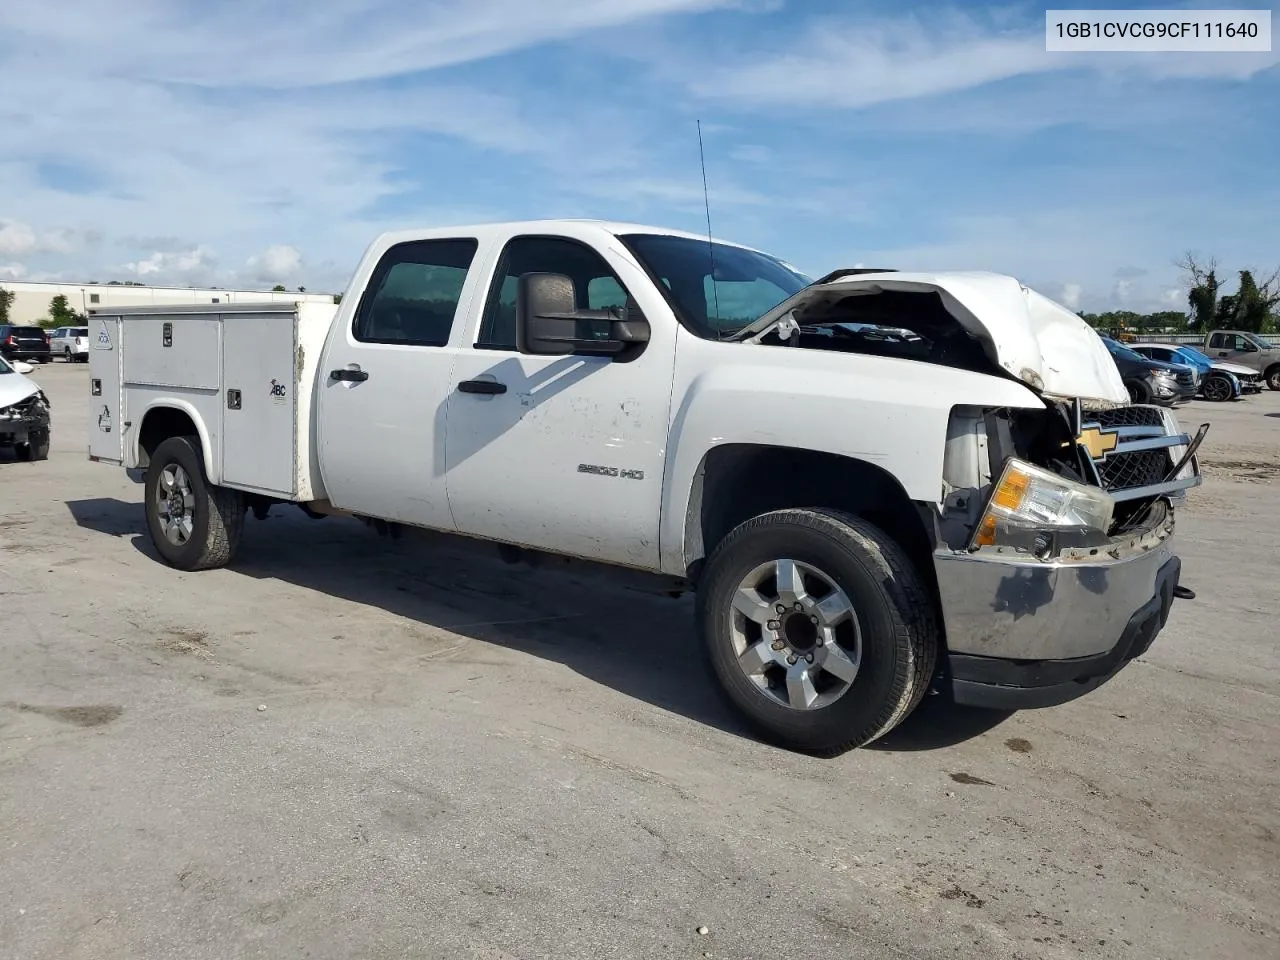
1139 392
215 514
33 450
66 354
1273 376
890 607
1217 389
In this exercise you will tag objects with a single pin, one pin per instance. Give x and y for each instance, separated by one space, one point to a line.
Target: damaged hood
1029 336
14 386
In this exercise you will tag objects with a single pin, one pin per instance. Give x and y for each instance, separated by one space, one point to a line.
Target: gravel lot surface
463 759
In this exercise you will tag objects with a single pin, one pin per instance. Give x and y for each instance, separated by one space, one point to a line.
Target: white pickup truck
877 483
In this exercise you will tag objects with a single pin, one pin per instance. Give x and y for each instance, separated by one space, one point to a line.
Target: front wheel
1139 392
818 628
193 524
35 448
1273 377
1217 389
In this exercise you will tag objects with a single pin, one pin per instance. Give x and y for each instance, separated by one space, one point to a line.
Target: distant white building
31 300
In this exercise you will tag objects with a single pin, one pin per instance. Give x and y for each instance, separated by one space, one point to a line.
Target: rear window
79 332
27 332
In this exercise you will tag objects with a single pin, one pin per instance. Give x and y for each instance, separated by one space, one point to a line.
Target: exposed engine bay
889 323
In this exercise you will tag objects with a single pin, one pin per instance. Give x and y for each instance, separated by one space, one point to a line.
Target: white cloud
1070 296
276 264
292 43
12 271
196 265
856 62
16 239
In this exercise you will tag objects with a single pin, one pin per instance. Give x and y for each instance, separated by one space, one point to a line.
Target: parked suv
1152 381
71 343
24 343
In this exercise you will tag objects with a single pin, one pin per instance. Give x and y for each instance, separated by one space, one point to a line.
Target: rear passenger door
384 379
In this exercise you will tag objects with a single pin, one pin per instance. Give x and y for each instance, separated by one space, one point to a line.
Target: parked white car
24 412
70 343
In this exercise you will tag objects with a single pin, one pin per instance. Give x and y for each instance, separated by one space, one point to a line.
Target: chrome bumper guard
1007 604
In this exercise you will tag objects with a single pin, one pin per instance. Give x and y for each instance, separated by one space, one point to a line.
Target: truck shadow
599 625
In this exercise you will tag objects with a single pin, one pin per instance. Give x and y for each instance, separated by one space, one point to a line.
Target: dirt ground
343 746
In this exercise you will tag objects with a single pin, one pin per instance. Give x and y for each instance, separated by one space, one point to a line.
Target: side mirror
21 366
549 323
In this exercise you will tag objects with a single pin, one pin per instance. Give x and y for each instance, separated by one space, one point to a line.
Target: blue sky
236 142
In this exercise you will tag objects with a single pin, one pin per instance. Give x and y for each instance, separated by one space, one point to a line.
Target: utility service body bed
243 373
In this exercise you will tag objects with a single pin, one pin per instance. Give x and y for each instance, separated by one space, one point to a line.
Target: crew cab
1248 349
877 484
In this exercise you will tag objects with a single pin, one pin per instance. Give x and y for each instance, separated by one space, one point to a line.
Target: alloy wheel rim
1217 389
795 634
175 504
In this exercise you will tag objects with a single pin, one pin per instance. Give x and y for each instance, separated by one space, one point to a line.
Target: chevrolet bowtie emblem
1097 441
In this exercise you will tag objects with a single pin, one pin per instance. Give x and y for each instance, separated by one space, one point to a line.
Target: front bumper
1024 633
24 423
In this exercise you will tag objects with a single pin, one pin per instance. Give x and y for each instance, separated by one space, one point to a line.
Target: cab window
595 285
412 297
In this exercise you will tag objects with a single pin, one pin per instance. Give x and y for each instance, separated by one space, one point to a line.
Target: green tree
337 298
6 301
1252 307
60 312
278 288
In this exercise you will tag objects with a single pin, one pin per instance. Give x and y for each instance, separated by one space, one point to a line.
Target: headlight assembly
1026 500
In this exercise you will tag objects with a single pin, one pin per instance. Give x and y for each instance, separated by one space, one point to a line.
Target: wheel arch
738 481
172 417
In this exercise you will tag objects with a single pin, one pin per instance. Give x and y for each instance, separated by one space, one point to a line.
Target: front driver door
384 380
565 453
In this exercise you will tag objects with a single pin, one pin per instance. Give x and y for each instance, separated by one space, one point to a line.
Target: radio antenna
706 199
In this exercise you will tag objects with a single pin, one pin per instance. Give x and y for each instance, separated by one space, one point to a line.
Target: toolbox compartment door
172 350
259 403
106 432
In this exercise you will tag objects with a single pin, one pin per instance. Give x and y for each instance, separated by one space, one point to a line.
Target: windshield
4 366
746 284
1263 342
1119 350
1195 354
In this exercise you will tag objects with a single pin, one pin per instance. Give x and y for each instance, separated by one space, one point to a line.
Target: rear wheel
818 628
66 354
193 524
1217 389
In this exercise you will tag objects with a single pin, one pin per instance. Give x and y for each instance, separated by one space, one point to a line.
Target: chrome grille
1124 471
1145 452
1132 416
